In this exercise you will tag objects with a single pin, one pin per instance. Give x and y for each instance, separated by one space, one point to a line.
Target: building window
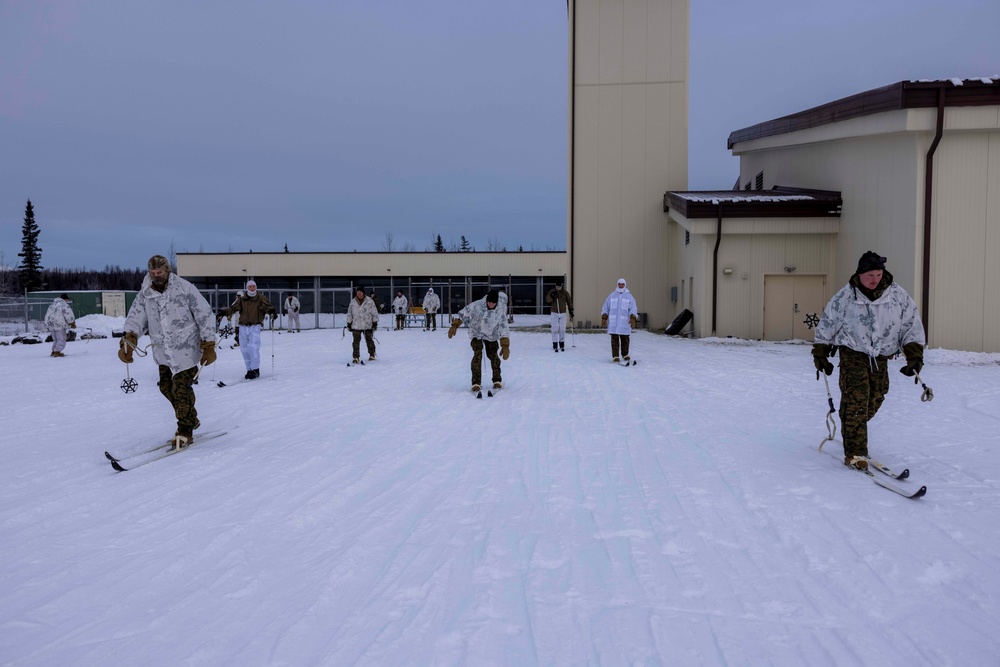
747 186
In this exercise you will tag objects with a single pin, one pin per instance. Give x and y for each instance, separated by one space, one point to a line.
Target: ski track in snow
673 513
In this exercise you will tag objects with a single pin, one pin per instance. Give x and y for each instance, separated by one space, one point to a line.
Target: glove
505 348
631 321
208 355
604 319
284 311
273 315
128 342
455 324
571 315
820 353
914 359
72 325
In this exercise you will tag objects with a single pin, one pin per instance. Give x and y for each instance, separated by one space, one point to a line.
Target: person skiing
235 321
180 326
291 309
362 318
399 305
253 308
378 303
869 320
431 305
57 318
618 315
488 329
561 304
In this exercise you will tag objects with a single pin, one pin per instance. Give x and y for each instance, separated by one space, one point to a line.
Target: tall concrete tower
628 127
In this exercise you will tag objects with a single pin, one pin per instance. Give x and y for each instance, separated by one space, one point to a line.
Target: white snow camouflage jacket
618 306
431 302
484 323
876 328
59 315
177 321
361 316
399 305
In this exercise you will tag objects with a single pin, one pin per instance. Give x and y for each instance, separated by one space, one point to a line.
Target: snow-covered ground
672 513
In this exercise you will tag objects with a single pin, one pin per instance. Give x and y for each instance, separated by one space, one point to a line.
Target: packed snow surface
672 513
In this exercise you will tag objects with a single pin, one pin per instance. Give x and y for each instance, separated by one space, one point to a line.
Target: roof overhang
901 95
779 202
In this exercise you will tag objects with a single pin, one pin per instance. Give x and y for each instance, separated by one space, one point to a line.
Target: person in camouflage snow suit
57 318
362 318
182 332
488 329
431 306
869 320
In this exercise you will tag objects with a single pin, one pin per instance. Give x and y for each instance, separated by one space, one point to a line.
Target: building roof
902 95
779 202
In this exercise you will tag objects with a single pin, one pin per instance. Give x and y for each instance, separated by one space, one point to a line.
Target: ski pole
831 423
928 395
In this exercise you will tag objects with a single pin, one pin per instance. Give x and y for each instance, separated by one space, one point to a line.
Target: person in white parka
431 305
57 318
619 315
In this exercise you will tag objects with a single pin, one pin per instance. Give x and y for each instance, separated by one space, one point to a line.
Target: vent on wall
759 181
687 237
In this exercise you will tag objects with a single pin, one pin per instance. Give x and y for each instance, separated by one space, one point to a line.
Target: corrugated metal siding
991 245
630 144
373 264
958 268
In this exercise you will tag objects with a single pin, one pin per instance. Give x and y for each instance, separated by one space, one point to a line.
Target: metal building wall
628 124
877 163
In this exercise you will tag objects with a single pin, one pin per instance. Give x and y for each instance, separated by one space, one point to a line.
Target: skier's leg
477 361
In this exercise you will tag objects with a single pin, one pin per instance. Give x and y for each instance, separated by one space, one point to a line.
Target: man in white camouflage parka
182 333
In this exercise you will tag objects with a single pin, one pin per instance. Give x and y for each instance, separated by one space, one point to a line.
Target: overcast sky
139 126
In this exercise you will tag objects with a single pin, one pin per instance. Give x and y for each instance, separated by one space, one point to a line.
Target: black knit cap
871 261
493 296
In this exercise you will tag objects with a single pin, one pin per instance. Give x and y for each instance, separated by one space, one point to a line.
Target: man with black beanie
869 320
488 329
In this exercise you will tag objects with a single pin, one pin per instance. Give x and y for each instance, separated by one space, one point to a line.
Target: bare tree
387 242
408 247
494 245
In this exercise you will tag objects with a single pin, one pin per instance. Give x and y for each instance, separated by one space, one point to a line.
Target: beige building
628 125
917 167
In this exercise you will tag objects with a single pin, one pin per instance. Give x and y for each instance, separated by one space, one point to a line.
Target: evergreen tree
29 273
463 245
438 244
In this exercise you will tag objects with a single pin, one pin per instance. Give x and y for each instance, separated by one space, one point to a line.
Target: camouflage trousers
179 391
864 382
491 347
356 343
623 339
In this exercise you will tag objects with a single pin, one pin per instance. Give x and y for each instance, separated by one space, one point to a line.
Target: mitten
604 319
273 315
128 343
571 315
914 359
820 353
505 348
284 311
631 321
208 355
72 325
455 324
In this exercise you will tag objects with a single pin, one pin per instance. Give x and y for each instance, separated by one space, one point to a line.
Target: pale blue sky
217 126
